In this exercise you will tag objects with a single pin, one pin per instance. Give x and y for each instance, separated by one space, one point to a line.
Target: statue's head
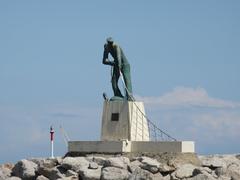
110 40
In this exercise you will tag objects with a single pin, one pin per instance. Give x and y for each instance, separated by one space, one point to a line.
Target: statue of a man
120 66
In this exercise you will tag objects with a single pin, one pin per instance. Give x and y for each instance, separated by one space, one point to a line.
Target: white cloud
185 96
220 123
191 114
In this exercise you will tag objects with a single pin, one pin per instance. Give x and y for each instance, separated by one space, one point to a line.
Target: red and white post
51 138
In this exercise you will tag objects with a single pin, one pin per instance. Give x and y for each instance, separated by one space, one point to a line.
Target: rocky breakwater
164 166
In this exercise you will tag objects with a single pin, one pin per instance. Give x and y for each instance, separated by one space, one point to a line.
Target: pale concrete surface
131 124
188 146
131 146
163 146
99 146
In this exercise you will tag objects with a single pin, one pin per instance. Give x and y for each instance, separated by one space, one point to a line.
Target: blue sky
184 58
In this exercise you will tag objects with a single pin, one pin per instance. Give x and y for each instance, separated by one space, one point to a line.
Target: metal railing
155 133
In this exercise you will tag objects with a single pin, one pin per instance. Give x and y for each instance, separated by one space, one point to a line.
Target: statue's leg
127 80
115 87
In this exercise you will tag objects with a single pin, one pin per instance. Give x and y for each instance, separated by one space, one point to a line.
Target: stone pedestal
131 146
125 129
124 120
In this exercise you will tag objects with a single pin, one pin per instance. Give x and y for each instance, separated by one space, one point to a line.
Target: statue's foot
117 98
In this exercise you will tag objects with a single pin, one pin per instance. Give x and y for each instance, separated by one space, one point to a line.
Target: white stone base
130 146
124 120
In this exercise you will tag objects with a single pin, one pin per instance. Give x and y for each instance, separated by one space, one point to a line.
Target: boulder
59 160
168 177
50 163
164 168
69 178
233 171
224 178
119 162
76 164
141 174
175 159
8 166
13 178
25 169
38 161
202 170
5 172
93 165
212 162
113 173
184 171
90 174
41 177
70 173
149 164
202 177
50 173
134 165
220 171
97 159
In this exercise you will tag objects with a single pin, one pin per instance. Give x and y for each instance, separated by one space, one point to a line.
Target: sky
184 56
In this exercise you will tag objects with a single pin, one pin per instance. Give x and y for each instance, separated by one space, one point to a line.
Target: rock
51 173
90 174
168 177
164 168
59 160
93 165
212 162
201 170
141 174
119 162
184 171
13 178
38 161
231 159
157 176
70 173
41 177
224 178
76 164
5 172
134 165
220 171
202 177
149 164
68 178
97 159
8 166
233 171
25 169
238 156
175 159
113 173
49 163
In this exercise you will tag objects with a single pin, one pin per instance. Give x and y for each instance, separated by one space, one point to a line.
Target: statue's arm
105 57
119 57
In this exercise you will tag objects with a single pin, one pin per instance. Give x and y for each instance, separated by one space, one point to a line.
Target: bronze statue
120 66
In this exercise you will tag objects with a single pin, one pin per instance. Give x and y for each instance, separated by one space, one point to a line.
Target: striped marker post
51 138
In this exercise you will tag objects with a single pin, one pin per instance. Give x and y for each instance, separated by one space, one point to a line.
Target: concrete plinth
124 120
130 146
125 130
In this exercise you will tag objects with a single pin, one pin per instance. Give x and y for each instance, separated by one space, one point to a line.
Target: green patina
119 64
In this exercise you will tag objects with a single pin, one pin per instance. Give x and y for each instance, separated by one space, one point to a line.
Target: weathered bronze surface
120 65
